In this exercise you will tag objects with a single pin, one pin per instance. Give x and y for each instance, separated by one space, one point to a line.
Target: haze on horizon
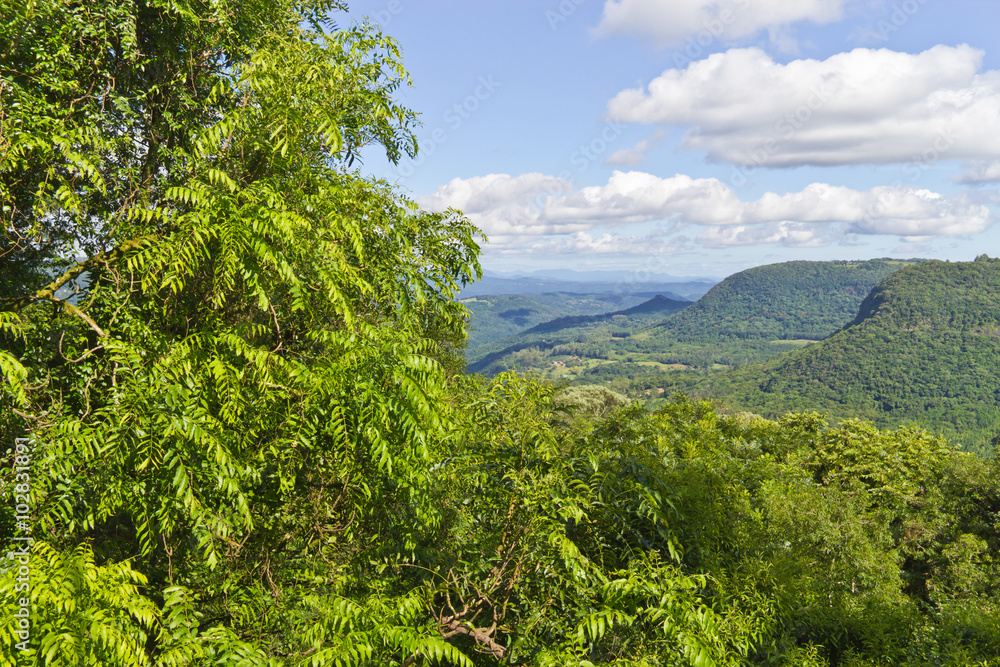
702 137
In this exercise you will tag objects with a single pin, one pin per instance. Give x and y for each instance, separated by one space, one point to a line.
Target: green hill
791 300
924 349
572 341
749 317
497 316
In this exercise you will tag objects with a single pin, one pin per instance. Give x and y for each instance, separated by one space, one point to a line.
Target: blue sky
702 137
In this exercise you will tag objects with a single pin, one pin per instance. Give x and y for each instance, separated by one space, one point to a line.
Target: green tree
231 356
222 343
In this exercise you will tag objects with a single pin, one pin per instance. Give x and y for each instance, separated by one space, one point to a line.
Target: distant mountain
492 285
923 349
554 343
659 305
632 276
497 316
791 300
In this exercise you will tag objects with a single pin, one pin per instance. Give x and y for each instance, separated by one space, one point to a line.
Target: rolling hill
560 343
923 349
749 317
791 300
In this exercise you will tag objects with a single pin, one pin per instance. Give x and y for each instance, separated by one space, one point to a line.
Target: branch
70 309
82 356
48 292
483 636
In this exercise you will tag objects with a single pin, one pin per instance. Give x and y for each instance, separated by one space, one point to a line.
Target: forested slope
923 349
749 317
805 300
244 440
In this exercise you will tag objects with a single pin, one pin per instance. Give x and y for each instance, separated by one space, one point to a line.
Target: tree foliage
780 301
234 361
922 351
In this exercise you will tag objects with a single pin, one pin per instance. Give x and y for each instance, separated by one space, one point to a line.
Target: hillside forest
237 429
923 350
749 317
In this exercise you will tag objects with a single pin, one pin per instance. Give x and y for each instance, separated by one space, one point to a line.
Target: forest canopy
233 407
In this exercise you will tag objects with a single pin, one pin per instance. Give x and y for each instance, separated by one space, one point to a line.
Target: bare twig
82 357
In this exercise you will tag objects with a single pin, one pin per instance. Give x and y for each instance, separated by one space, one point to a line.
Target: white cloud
636 155
504 205
860 107
586 244
792 234
510 208
909 212
671 22
982 172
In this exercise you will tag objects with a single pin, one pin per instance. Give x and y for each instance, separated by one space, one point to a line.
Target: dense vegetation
248 440
749 317
791 300
560 342
494 317
924 349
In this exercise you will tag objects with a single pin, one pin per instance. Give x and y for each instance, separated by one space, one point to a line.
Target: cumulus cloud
982 172
671 22
537 205
586 244
502 204
860 107
636 155
792 234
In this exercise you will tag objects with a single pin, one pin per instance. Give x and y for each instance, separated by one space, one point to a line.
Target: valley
266 401
888 341
748 317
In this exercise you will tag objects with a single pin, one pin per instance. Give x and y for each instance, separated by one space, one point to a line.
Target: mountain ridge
790 300
750 316
924 350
